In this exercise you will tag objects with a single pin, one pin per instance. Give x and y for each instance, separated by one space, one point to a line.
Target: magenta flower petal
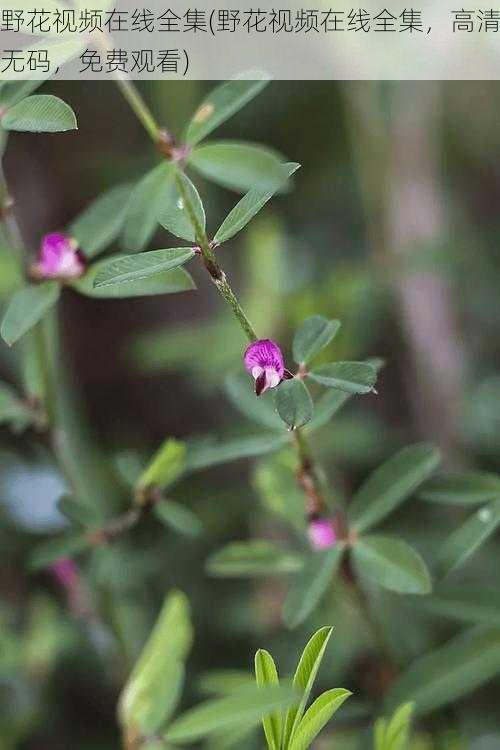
59 258
322 533
264 361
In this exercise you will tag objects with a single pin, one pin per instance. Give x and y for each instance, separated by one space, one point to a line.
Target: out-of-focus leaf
394 734
101 222
222 102
238 165
248 206
129 269
276 483
76 511
452 671
260 409
246 706
166 466
33 376
26 308
304 678
461 489
40 113
167 282
224 681
178 517
153 689
316 717
466 540
12 408
313 335
182 211
293 403
267 674
254 558
59 52
309 586
392 564
232 738
352 377
204 455
470 603
144 204
391 484
327 405
12 92
49 552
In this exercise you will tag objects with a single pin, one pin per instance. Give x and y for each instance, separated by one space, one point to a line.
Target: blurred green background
392 226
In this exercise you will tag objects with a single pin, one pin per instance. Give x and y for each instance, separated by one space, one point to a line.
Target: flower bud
322 533
58 258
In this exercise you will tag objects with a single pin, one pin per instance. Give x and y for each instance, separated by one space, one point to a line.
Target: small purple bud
59 258
264 361
66 572
322 533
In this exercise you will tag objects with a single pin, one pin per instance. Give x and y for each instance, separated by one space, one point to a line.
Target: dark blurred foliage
392 226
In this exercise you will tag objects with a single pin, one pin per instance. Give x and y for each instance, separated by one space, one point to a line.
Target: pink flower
264 361
58 258
66 572
322 533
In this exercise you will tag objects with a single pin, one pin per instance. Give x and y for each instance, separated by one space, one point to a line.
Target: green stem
140 108
227 294
211 263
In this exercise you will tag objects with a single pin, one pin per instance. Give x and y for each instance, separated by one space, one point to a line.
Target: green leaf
182 212
247 705
101 222
144 203
467 539
254 558
392 564
316 717
40 113
166 466
267 674
223 102
473 604
239 166
207 454
260 409
313 335
452 671
49 552
224 681
293 403
12 408
132 268
351 377
305 675
462 489
394 734
12 92
327 405
32 368
153 689
248 206
310 585
178 517
76 512
26 308
391 484
167 282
